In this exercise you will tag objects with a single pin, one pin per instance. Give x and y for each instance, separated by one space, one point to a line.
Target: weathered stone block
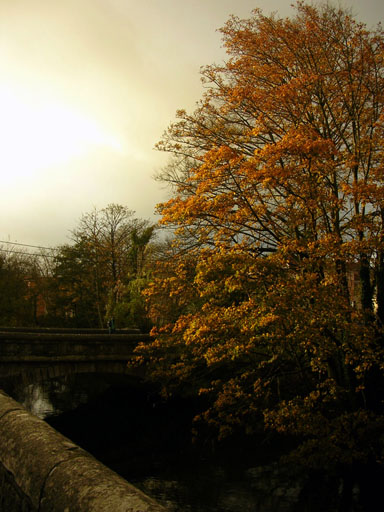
52 474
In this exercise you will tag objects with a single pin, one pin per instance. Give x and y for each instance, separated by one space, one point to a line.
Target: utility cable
25 245
28 253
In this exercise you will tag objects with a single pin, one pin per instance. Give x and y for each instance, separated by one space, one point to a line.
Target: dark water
129 428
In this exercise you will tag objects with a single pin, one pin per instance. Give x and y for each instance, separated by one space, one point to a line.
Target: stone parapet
46 472
45 347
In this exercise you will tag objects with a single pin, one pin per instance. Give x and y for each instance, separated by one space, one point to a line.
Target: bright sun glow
39 133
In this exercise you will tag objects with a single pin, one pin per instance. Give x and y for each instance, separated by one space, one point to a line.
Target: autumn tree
20 290
90 274
130 308
71 289
278 197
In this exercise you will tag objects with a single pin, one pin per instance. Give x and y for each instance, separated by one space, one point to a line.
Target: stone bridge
50 346
41 354
41 470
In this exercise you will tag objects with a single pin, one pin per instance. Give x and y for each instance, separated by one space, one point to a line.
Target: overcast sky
87 88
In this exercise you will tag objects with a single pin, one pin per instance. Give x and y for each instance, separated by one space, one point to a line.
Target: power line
26 245
27 253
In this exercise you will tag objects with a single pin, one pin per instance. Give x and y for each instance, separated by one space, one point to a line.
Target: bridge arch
37 372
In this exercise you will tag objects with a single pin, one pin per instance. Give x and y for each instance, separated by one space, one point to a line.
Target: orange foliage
280 194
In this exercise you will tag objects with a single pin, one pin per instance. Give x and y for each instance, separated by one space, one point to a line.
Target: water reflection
36 400
224 496
57 395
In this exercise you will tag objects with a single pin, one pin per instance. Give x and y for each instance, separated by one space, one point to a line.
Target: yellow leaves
221 154
181 113
278 199
268 320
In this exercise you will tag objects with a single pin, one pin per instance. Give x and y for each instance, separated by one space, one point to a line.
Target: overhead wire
25 245
38 254
28 253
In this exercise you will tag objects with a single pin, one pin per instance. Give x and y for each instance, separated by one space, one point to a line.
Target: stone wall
41 470
66 330
41 347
